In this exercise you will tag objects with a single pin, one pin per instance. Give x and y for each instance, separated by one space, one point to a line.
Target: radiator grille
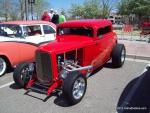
43 67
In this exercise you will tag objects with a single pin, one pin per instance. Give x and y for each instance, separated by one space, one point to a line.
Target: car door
29 43
104 42
49 32
9 48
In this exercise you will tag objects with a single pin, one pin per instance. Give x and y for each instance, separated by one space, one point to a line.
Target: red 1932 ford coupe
65 64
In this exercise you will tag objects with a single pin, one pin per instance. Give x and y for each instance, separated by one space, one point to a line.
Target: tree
15 9
140 8
21 4
91 9
106 8
39 7
76 11
5 9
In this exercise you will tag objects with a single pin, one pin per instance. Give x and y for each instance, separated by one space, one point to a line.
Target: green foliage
76 11
138 7
39 7
15 9
91 9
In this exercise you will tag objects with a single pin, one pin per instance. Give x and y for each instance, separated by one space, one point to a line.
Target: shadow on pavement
10 70
61 101
14 86
109 65
135 98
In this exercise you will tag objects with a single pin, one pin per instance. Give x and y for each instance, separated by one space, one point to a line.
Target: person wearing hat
62 18
51 13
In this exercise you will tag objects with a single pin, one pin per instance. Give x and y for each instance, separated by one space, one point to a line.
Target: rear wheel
118 55
74 87
23 73
3 66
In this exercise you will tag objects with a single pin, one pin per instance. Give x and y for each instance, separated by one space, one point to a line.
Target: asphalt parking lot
103 93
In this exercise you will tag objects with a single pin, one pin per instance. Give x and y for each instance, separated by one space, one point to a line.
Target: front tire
22 73
118 55
74 87
3 66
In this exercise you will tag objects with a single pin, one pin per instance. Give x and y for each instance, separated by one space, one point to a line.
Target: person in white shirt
51 13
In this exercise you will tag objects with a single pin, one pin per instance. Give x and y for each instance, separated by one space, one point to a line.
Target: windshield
10 30
85 31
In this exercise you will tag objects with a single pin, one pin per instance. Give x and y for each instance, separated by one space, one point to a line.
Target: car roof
28 22
86 23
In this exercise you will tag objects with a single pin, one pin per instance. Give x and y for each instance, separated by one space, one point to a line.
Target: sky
63 4
66 4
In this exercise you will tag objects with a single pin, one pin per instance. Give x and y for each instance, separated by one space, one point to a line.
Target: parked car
145 31
20 39
66 63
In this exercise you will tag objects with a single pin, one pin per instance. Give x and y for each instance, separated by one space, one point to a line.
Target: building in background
115 18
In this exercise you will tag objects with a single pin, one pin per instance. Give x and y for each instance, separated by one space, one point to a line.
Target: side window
48 29
32 30
102 31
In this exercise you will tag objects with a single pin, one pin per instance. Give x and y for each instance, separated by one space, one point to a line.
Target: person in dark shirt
55 18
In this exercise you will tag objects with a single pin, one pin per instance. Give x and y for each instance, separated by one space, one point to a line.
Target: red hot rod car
81 46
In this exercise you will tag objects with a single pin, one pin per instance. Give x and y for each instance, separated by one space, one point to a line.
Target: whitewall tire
3 66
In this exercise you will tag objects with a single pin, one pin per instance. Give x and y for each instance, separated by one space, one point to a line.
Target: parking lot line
138 60
7 84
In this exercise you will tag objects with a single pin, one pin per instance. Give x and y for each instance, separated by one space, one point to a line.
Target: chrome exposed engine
69 62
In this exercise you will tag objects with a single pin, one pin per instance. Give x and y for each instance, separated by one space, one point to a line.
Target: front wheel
74 87
23 73
3 66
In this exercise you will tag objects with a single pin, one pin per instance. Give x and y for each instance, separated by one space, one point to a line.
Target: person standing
45 16
55 18
51 13
62 18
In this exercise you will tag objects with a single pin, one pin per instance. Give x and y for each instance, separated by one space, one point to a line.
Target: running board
38 87
37 90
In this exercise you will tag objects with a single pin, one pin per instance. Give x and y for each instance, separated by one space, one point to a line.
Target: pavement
137 49
107 89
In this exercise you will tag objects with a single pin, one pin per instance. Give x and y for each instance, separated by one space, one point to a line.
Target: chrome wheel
123 54
3 66
79 88
27 72
23 73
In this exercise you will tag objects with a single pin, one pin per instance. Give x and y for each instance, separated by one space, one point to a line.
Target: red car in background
20 39
145 31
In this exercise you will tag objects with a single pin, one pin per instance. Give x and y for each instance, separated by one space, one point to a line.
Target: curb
138 57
